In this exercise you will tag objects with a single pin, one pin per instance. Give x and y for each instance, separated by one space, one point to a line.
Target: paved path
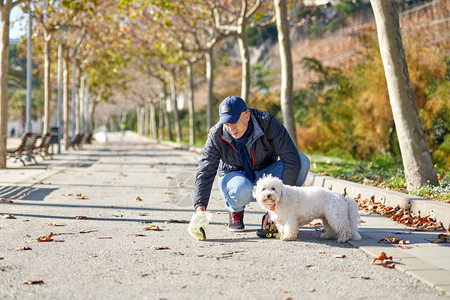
109 255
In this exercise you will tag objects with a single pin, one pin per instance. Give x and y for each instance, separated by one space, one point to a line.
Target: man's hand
200 208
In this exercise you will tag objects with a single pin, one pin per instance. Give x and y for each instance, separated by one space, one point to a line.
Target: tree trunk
6 10
191 104
166 113
173 100
47 83
287 105
245 62
77 97
161 118
419 170
153 128
66 99
210 81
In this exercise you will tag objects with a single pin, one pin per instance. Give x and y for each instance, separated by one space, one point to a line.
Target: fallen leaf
143 214
176 221
152 227
23 248
169 177
339 255
80 217
67 194
321 252
365 278
144 275
25 220
8 217
47 238
6 200
139 234
81 196
138 198
30 282
390 265
381 258
56 224
405 246
161 247
118 215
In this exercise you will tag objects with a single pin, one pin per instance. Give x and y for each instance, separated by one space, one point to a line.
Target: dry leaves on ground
161 247
56 224
80 217
400 215
30 282
152 227
6 200
8 217
47 238
81 196
138 198
384 260
339 255
24 248
442 238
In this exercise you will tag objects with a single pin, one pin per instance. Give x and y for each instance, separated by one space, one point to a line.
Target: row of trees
142 52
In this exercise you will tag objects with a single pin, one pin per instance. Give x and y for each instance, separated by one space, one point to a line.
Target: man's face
238 129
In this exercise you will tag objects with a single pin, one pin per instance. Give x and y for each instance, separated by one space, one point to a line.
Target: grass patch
382 172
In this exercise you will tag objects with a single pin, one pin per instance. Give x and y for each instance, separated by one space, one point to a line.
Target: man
244 145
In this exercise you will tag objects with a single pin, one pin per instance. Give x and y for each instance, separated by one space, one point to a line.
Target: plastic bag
198 224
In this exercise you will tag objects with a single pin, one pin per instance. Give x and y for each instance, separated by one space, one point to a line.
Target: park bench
43 147
27 145
77 141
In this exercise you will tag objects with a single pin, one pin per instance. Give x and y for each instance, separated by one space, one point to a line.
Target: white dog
290 207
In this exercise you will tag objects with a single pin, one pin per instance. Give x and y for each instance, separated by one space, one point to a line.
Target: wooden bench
27 145
43 147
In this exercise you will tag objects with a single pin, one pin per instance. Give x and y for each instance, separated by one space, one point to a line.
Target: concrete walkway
99 201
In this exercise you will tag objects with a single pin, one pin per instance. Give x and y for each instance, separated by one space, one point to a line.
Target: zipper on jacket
229 143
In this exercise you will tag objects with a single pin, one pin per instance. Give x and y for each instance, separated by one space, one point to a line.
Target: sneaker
236 221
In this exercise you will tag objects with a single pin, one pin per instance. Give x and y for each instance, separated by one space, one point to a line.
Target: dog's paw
287 238
327 235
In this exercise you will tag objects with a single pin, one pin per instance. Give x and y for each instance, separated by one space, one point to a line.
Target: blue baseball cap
230 109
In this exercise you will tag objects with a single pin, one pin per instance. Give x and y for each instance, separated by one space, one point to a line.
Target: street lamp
62 38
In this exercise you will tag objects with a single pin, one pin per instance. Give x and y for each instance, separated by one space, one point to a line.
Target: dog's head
268 191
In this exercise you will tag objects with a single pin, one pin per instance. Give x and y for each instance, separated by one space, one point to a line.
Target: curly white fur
297 206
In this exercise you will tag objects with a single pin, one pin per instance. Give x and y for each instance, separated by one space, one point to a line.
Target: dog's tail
353 216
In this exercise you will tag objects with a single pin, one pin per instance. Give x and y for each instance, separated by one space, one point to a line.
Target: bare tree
419 170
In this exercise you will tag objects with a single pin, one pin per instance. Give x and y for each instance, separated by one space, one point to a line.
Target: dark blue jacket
270 141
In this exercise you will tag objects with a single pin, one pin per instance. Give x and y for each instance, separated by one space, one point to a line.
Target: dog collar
272 208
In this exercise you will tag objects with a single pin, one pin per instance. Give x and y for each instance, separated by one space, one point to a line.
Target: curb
419 205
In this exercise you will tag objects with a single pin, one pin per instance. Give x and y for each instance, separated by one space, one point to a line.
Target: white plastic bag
199 222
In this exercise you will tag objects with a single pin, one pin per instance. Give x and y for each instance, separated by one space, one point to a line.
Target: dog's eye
263 189
273 189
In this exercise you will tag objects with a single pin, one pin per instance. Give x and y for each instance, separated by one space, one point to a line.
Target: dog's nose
268 196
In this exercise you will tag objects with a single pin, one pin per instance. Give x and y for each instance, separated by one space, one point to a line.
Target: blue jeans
237 189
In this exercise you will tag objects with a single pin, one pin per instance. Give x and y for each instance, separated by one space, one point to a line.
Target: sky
18 27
